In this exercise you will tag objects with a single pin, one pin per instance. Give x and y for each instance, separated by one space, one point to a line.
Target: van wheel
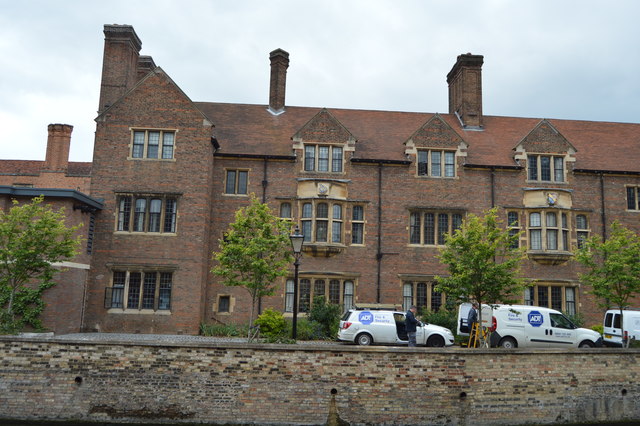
364 339
508 343
586 344
435 341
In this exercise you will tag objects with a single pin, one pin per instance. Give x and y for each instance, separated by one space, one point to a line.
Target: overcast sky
542 58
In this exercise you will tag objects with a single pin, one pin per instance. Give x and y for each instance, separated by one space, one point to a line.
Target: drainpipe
602 207
493 187
379 248
265 182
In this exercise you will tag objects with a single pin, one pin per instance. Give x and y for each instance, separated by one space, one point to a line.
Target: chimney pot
277 88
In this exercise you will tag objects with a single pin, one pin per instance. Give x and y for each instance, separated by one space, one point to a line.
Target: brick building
64 184
373 191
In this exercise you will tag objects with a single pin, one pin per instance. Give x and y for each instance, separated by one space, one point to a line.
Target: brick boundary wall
238 383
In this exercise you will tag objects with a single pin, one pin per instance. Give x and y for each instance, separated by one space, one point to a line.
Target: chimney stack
119 64
279 64
465 90
58 143
145 66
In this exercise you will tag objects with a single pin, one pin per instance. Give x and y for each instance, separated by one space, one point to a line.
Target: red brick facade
373 173
375 192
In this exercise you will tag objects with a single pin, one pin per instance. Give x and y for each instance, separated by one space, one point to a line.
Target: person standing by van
472 317
411 323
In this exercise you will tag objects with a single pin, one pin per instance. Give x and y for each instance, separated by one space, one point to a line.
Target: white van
612 329
368 326
524 326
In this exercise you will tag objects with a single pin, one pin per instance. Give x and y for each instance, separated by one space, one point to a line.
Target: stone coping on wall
164 340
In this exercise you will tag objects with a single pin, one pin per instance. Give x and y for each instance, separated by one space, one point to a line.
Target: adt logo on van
535 318
365 317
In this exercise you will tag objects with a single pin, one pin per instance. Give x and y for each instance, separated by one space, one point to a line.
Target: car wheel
364 339
508 343
586 344
435 341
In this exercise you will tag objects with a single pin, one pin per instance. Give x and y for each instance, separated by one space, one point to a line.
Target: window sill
550 257
289 314
547 182
436 177
153 234
138 311
322 249
167 160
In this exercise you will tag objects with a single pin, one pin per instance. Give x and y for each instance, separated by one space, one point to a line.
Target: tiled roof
33 168
251 129
20 167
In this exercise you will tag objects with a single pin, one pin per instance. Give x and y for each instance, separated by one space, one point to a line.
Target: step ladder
478 337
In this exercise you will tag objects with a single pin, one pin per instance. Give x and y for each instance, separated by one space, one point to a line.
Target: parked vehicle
527 326
368 326
613 331
463 314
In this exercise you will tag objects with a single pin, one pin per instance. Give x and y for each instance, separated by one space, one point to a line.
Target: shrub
598 327
577 319
443 317
327 315
223 330
307 330
272 323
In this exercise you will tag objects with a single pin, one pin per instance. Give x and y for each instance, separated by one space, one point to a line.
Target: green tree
327 315
483 264
32 238
255 251
613 267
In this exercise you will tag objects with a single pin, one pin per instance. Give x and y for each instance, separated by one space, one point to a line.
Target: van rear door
612 330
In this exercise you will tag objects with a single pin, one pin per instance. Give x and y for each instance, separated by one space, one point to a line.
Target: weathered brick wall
237 383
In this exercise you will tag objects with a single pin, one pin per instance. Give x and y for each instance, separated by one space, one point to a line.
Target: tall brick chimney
279 64
465 90
58 143
119 64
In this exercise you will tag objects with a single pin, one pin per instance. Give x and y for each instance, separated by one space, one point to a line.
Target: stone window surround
143 156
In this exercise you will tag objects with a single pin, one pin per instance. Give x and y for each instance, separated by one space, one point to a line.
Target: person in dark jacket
411 324
473 315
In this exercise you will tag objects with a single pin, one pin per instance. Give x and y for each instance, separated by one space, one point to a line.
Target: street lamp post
296 243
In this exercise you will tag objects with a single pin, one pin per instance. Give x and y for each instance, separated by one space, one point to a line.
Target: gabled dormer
323 141
545 152
434 148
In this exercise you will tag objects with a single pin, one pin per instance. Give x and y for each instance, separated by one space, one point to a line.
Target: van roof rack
377 307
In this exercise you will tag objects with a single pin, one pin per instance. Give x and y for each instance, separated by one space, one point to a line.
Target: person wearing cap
411 324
